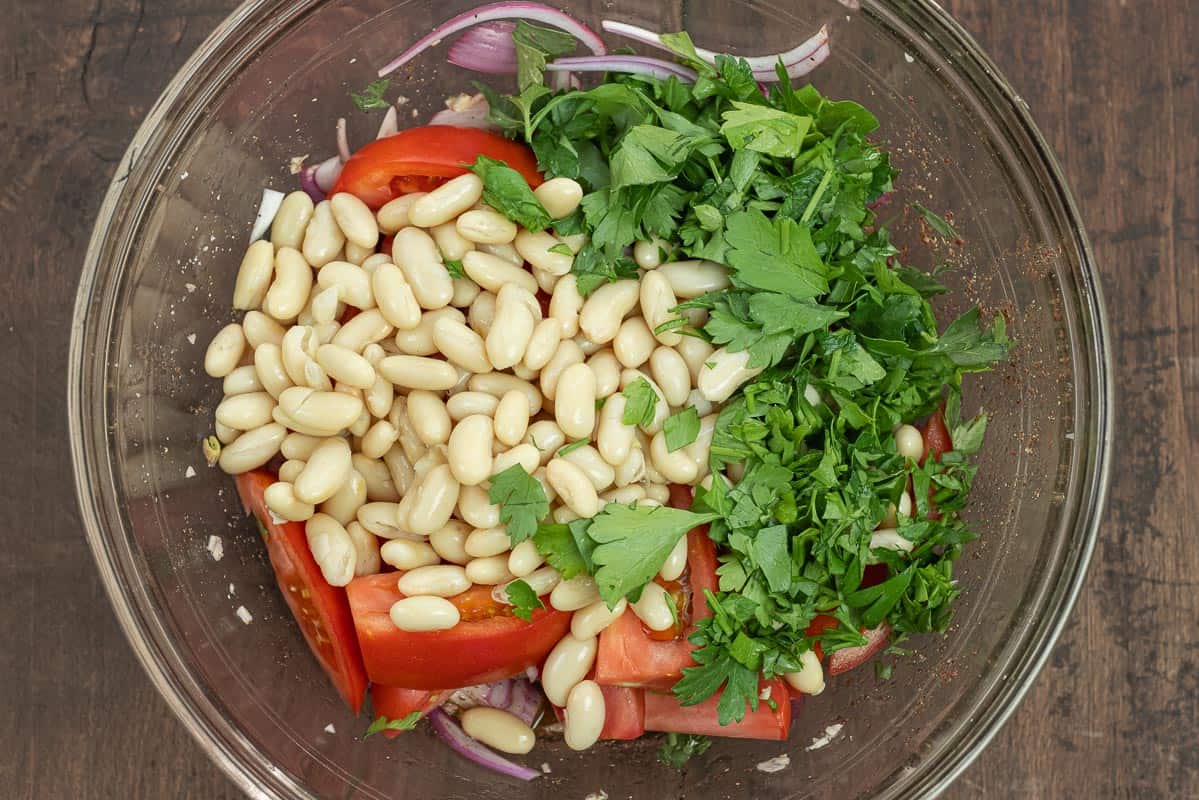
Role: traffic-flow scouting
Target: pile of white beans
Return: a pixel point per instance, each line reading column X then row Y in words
column 392, row 423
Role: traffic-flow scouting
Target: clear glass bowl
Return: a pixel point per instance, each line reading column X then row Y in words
column 268, row 85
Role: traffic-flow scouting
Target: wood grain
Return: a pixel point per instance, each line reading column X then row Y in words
column 1114, row 87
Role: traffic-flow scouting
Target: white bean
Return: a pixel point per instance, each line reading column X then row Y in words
column 676, row 562
column 486, row 226
column 660, row 492
column 324, row 305
column 325, row 472
column 590, row 621
column 446, row 201
column 404, row 554
column 494, row 273
column 429, row 418
column 419, row 341
column 353, row 283
column 299, row 349
column 559, row 196
column 657, row 300
column 634, row 342
column 442, row 580
column 403, row 474
column 261, row 329
column 648, row 254
column 453, row 245
column 512, row 418
column 511, row 329
column 225, row 351
column 394, row 214
column 482, row 313
column 379, row 397
column 476, row 509
column 588, row 459
column 526, row 455
column 654, row 607
column 566, row 665
column 465, row 292
column 809, row 679
column 567, row 355
column 343, row 505
column 546, row 436
column 461, row 345
column 394, row 296
column 366, row 550
column 489, row 571
column 723, row 374
column 331, row 411
column 449, row 541
column 689, row 279
column 417, row 372
column 381, row 518
column 379, row 485
column 524, row 558
column 331, row 548
column 291, row 220
column 677, row 467
column 365, row 328
column 584, row 717
column 614, row 438
column 543, row 343
column 378, row 439
column 254, row 275
column 252, row 449
column 418, row 256
column 355, row 220
column 607, row 372
column 281, row 499
column 605, row 309
column 671, row 374
column 695, row 353
column 290, row 470
column 345, row 366
column 536, row 248
column 323, row 240
column 574, row 594
column 470, row 446
column 498, row 384
column 420, row 614
column 565, row 305
column 504, row 251
column 245, row 411
column 573, row 487
column 661, row 409
column 625, row 495
column 299, row 447
column 288, row 293
column 498, row 729
column 487, row 542
column 435, row 500
column 357, row 255
column 909, row 442
column 632, row 469
column 433, row 457
column 574, row 403
column 891, row 539
column 542, row 581
column 463, row 404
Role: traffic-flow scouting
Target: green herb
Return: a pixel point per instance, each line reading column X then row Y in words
column 882, row 671
column 561, row 248
column 454, row 267
column 570, row 448
column 641, row 403
column 678, row 748
column 681, row 429
column 524, row 600
column 372, row 96
column 633, row 543
column 567, row 548
column 763, row 129
column 937, row 223
column 521, row 499
column 507, row 191
column 534, row 46
column 382, row 723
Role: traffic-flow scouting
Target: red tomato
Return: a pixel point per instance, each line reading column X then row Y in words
column 936, row 441
column 664, row 713
column 321, row 610
column 850, row 657
column 628, row 656
column 489, row 644
column 821, row 623
column 419, row 159
column 395, row 702
column 624, row 713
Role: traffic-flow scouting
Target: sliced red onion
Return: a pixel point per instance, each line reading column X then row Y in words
column 486, row 48
column 327, row 172
column 471, row 115
column 802, row 59
column 641, row 65
column 267, row 209
column 525, row 701
column 343, row 142
column 449, row 732
column 499, row 694
column 390, row 124
column 536, row 12
column 309, row 185
column 517, row 696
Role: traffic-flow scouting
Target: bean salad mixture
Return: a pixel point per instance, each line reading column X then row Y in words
column 601, row 407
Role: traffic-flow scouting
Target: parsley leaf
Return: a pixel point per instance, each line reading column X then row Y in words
column 455, row 268
column 535, row 45
column 679, row 748
column 570, row 448
column 567, row 547
column 381, row 723
column 634, row 542
column 521, row 499
column 777, row 257
column 507, row 191
column 524, row 600
column 641, row 403
column 763, row 129
column 649, row 154
column 681, row 429
column 937, row 223
column 372, row 96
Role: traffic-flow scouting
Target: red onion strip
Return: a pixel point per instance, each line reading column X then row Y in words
column 309, row 185
column 486, row 48
column 327, row 172
column 449, row 732
column 642, row 65
column 390, row 124
column 536, row 12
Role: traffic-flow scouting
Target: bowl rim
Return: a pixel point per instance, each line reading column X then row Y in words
column 191, row 703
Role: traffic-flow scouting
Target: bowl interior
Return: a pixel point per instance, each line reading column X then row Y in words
column 269, row 87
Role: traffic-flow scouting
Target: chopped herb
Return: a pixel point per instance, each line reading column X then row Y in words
column 570, row 448
column 454, row 267
column 681, row 429
column 372, row 96
column 882, row 671
column 641, row 403
column 561, row 248
column 524, row 600
column 678, row 748
column 382, row 723
column 521, row 499
column 507, row 191
column 937, row 223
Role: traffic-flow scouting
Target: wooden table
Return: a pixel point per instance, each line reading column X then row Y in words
column 1114, row 86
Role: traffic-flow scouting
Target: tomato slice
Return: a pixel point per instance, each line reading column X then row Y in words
column 419, row 159
column 489, row 644
column 628, row 656
column 322, row 611
column 664, row 713
column 395, row 702
column 936, row 436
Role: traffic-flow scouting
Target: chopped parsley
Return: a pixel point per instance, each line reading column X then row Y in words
column 521, row 499
column 524, row 600
column 455, row 268
column 641, row 403
column 570, row 448
column 507, row 191
column 381, row 723
column 372, row 96
column 678, row 748
column 681, row 429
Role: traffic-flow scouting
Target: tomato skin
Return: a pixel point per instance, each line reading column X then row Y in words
column 937, row 440
column 483, row 650
column 664, row 713
column 418, row 159
column 322, row 611
column 395, row 702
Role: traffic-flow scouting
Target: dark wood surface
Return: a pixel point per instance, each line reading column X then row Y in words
column 1113, row 84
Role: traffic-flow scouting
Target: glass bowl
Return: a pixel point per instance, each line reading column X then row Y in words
column 268, row 85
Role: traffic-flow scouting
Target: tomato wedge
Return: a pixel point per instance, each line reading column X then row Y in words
column 629, row 656
column 664, row 713
column 489, row 644
column 420, row 159
column 322, row 611
column 395, row 702
column 937, row 441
